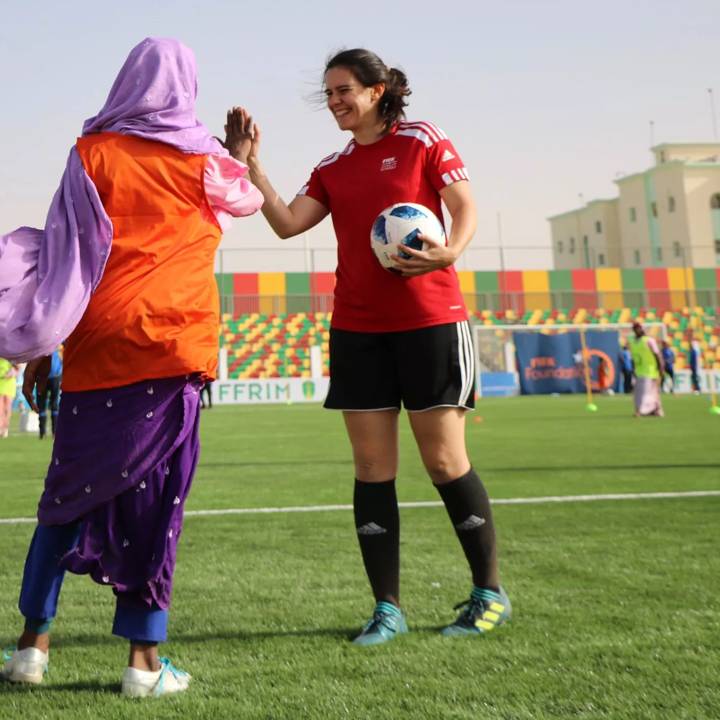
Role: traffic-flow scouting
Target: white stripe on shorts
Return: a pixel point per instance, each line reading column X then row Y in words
column 461, row 359
column 467, row 361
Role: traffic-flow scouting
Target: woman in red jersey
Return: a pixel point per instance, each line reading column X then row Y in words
column 397, row 339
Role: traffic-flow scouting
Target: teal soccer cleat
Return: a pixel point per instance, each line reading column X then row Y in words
column 482, row 612
column 386, row 623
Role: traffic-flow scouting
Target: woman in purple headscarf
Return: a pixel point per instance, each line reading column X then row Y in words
column 123, row 273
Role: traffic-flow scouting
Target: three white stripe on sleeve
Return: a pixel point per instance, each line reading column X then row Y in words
column 455, row 175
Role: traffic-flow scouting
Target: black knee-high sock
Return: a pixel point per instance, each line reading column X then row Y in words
column 468, row 506
column 377, row 522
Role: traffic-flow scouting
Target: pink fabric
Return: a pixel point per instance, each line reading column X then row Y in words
column 647, row 396
column 228, row 192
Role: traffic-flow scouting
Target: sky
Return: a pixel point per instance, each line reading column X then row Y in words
column 546, row 101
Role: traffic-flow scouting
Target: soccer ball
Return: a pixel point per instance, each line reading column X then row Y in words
column 400, row 225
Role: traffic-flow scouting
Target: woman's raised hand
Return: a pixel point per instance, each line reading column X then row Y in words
column 242, row 135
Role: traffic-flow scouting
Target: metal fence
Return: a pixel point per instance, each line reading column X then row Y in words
column 302, row 256
column 568, row 300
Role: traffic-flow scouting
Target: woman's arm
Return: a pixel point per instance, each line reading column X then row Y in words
column 243, row 142
column 461, row 206
column 286, row 220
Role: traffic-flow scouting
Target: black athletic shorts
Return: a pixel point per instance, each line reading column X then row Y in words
column 418, row 369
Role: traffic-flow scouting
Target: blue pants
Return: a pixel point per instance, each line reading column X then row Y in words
column 43, row 579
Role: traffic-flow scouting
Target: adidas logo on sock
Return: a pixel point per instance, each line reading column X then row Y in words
column 471, row 523
column 371, row 528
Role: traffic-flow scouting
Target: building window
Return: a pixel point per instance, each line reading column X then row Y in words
column 671, row 204
column 637, row 257
column 715, row 219
column 633, row 214
column 598, row 226
column 677, row 250
column 560, row 247
column 572, row 245
column 601, row 259
column 653, row 208
column 658, row 254
column 662, row 156
column 586, row 251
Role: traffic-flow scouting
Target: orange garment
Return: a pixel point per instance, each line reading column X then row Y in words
column 155, row 313
column 602, row 375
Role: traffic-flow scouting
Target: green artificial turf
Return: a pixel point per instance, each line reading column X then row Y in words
column 616, row 603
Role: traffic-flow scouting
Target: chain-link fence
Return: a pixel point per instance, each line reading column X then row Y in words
column 478, row 256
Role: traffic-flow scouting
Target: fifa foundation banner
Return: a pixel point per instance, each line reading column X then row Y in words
column 554, row 363
column 272, row 390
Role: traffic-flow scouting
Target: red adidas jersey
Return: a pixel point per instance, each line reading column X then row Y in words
column 412, row 163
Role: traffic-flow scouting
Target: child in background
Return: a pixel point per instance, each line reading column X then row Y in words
column 8, row 373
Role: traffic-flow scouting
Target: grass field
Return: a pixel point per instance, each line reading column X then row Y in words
column 617, row 603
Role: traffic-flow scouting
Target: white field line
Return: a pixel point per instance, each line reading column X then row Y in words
column 432, row 504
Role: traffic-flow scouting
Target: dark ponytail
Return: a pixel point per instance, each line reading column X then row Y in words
column 370, row 70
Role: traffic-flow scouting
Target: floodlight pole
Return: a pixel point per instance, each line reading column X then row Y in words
column 713, row 114
column 502, row 260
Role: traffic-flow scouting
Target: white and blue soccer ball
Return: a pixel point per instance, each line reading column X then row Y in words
column 399, row 225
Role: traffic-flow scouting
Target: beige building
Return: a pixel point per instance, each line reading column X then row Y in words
column 668, row 215
column 587, row 237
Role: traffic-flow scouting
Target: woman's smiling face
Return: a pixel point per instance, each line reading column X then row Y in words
column 353, row 105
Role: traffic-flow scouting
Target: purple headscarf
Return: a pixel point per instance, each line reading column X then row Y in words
column 153, row 97
column 47, row 276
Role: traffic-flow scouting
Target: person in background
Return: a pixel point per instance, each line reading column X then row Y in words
column 206, row 390
column 648, row 366
column 603, row 375
column 695, row 362
column 51, row 395
column 8, row 373
column 626, row 367
column 668, row 357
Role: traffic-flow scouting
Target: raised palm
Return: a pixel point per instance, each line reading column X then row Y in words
column 242, row 135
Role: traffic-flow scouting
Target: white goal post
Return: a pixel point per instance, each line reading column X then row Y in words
column 495, row 350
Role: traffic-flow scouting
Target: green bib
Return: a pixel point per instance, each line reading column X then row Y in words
column 644, row 358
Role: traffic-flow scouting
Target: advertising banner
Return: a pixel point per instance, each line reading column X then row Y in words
column 272, row 390
column 554, row 363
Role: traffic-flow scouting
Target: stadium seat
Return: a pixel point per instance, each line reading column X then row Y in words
column 278, row 345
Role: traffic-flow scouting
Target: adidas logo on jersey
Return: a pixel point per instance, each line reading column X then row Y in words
column 447, row 155
column 388, row 164
column 371, row 529
column 471, row 523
